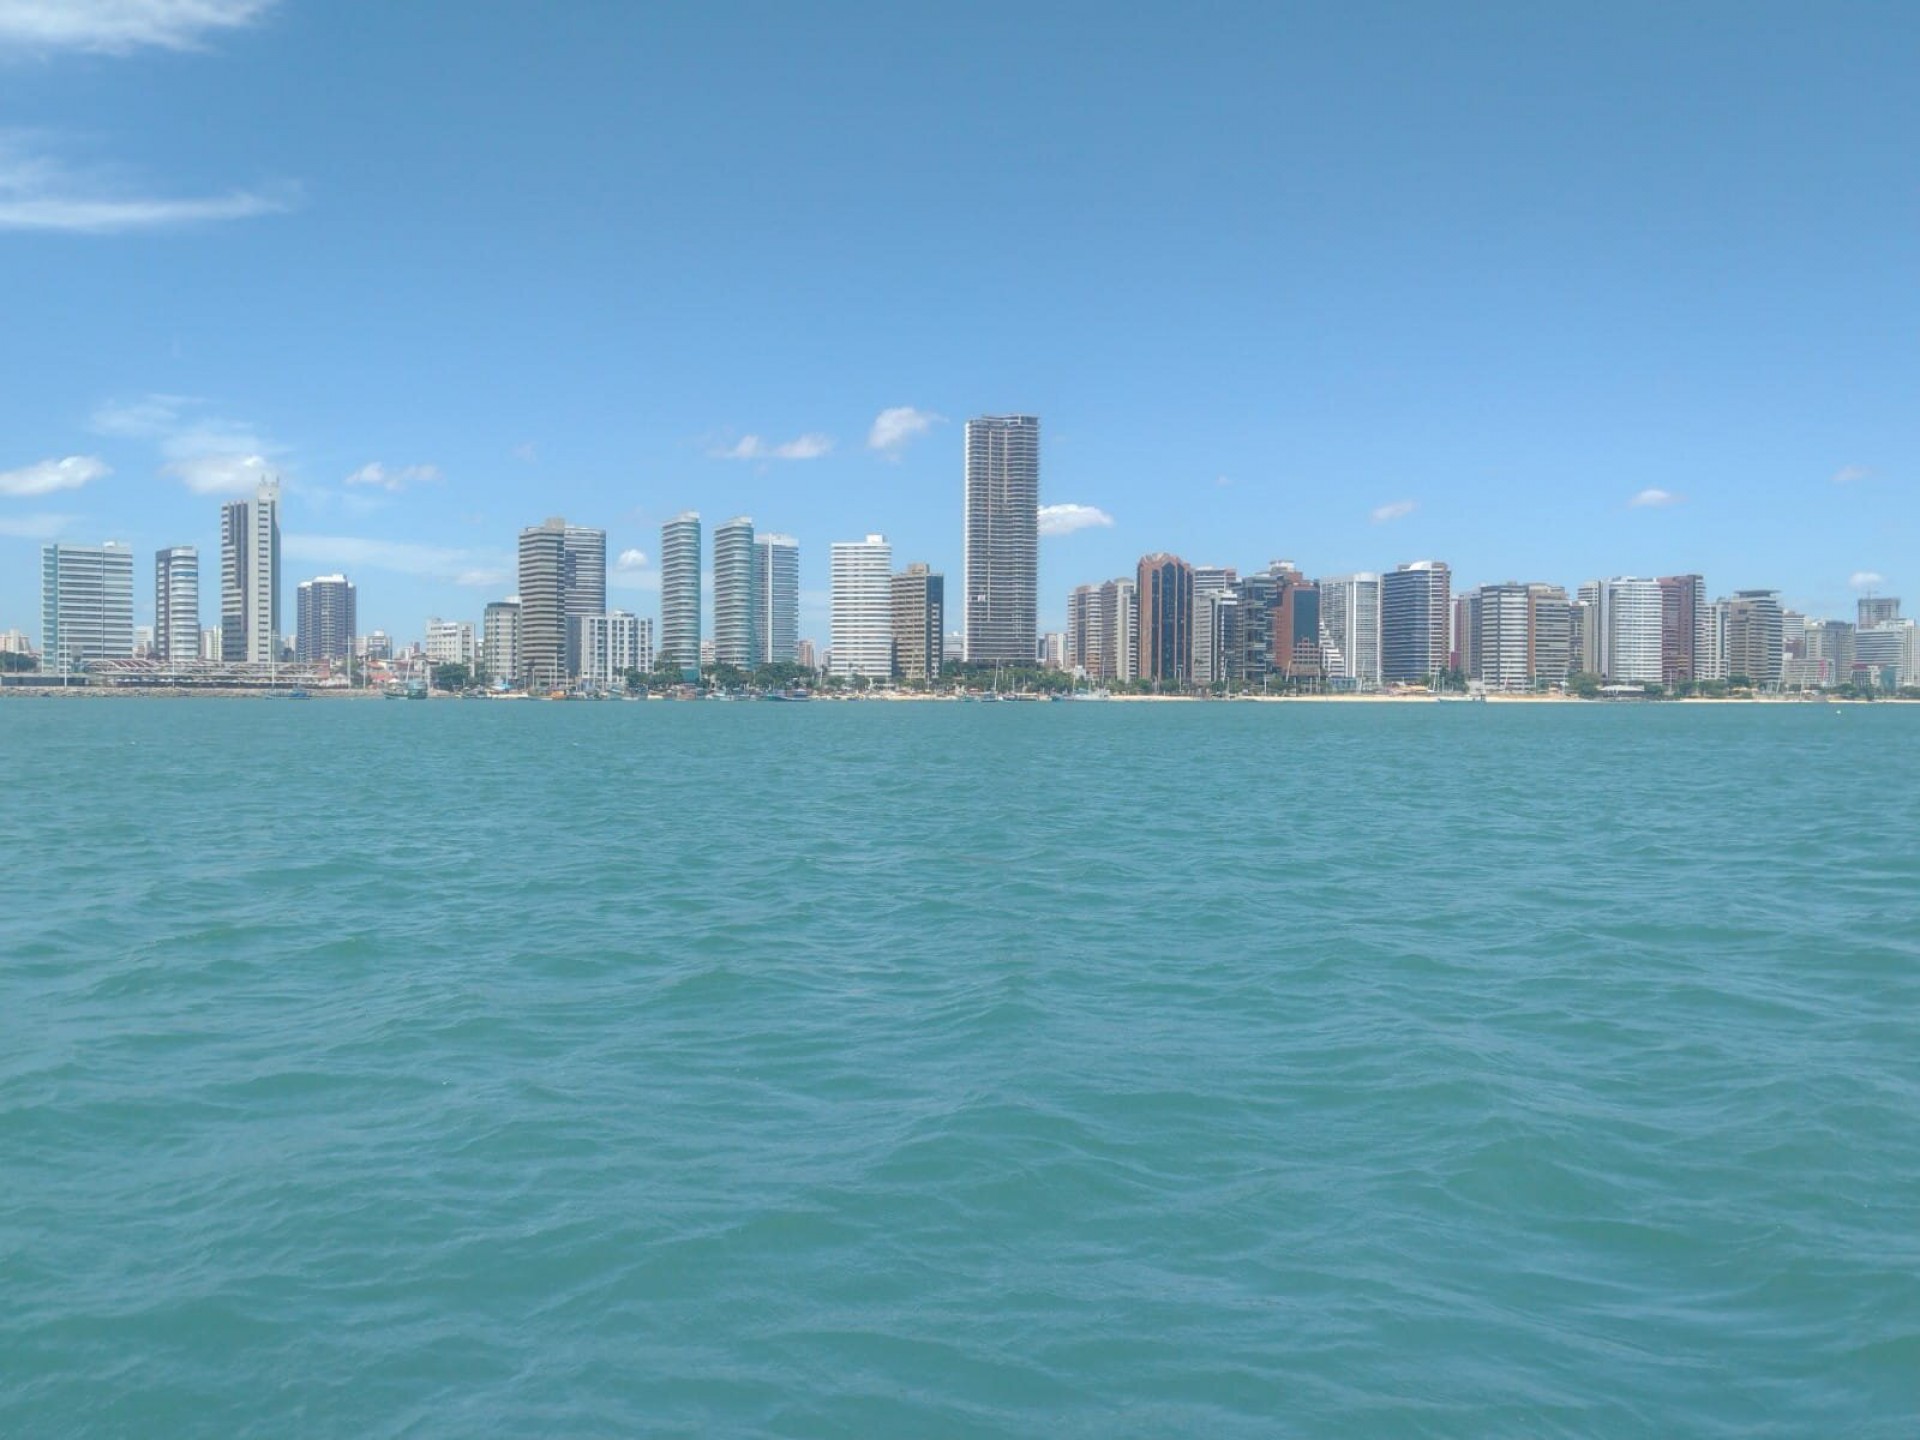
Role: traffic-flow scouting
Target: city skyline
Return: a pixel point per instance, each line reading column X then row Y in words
column 1505, row 325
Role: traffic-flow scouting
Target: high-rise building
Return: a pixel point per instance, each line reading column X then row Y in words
column 1625, row 612
column 1165, row 599
column 680, row 591
column 583, row 584
column 1216, row 637
column 1549, row 635
column 919, row 617
column 86, row 605
column 862, row 599
column 1103, row 630
column 1829, row 652
column 1498, row 641
column 176, row 604
column 1002, row 537
column 1415, row 606
column 1712, row 654
column 1876, row 610
column 1293, row 626
column 1755, row 637
column 250, row 576
column 1350, row 629
column 613, row 644
column 1885, row 655
column 324, row 619
column 1683, row 624
column 776, row 602
column 543, row 606
column 735, row 629
column 500, row 640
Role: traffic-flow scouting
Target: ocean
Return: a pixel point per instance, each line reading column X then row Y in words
column 389, row 1070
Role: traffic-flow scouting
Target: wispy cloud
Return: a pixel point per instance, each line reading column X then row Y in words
column 1394, row 510
column 752, row 447
column 207, row 454
column 1065, row 519
column 35, row 527
column 394, row 480
column 118, row 26
column 1653, row 499
column 527, row 452
column 894, row 429
column 38, row 192
column 1866, row 579
column 430, row 562
column 50, row 475
column 1847, row 474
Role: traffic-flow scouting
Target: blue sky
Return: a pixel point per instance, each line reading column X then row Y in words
column 1349, row 285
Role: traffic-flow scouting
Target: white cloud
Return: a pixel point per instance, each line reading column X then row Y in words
column 893, row 429
column 1065, row 519
column 528, row 452
column 117, row 26
column 752, row 447
column 51, row 475
column 1395, row 510
column 39, row 193
column 1653, row 499
column 35, row 527
column 1866, row 579
column 631, row 572
column 206, row 453
column 1847, row 474
column 432, row 562
column 375, row 474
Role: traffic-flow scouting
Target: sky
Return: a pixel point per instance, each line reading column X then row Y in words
column 1544, row 291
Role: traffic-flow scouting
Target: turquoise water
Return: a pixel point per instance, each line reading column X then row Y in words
column 595, row 1070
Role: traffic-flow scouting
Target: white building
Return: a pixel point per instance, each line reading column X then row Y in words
column 450, row 642
column 1623, row 616
column 500, row 640
column 250, row 577
column 862, row 600
column 680, row 591
column 611, row 645
column 86, row 604
column 1350, row 629
column 15, row 642
column 735, row 616
column 176, row 603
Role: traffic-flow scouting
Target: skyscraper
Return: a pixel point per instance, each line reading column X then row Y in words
column 1755, row 637
column 86, row 605
column 1002, row 537
column 1549, row 635
column 1497, row 644
column 325, row 619
column 862, row 599
column 1165, row 589
column 680, row 591
column 176, row 604
column 500, row 640
column 1414, row 606
column 1683, row 623
column 735, row 629
column 776, row 602
column 583, row 584
column 543, row 605
column 1350, row 629
column 1625, row 612
column 250, row 576
column 919, row 597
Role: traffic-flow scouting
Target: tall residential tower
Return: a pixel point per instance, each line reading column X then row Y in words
column 1002, row 537
column 735, row 633
column 176, row 604
column 680, row 591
